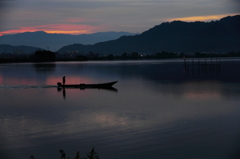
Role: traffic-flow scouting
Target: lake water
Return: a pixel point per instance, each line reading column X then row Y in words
column 158, row 109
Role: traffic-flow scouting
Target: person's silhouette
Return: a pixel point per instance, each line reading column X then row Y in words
column 63, row 80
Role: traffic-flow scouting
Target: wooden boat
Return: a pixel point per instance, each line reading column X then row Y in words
column 83, row 85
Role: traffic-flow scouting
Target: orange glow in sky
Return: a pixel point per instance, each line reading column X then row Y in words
column 201, row 18
column 73, row 29
column 15, row 31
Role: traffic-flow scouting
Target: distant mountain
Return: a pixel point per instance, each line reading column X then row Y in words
column 54, row 42
column 177, row 36
column 18, row 49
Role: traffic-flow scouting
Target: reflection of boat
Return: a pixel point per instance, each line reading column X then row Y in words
column 83, row 85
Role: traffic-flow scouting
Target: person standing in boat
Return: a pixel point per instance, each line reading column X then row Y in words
column 63, row 80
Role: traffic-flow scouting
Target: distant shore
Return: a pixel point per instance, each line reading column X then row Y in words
column 48, row 56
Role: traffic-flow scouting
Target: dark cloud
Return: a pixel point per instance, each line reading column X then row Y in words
column 6, row 3
column 2, row 3
column 237, row 5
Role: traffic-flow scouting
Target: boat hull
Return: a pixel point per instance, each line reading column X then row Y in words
column 83, row 85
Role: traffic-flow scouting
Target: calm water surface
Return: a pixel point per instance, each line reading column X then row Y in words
column 158, row 109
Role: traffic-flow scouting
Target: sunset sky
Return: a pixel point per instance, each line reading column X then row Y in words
column 90, row 16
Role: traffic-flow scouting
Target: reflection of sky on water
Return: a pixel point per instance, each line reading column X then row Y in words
column 191, row 119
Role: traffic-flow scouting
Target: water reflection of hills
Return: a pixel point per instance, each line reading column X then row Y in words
column 176, row 72
column 174, row 77
column 45, row 67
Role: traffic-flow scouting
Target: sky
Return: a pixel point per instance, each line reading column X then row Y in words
column 91, row 16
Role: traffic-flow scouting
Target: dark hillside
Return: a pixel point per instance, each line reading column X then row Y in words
column 176, row 36
column 18, row 49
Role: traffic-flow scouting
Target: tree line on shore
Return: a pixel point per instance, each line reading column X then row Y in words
column 48, row 56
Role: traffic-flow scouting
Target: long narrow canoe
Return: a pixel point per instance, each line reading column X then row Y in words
column 83, row 85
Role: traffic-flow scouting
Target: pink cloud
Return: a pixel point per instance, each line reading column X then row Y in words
column 74, row 29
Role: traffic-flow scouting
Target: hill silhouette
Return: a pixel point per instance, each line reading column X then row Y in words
column 56, row 41
column 18, row 49
column 177, row 36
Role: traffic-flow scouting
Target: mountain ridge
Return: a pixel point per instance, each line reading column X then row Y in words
column 176, row 36
column 56, row 41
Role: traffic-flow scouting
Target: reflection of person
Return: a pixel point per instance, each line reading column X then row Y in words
column 64, row 93
column 63, row 80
